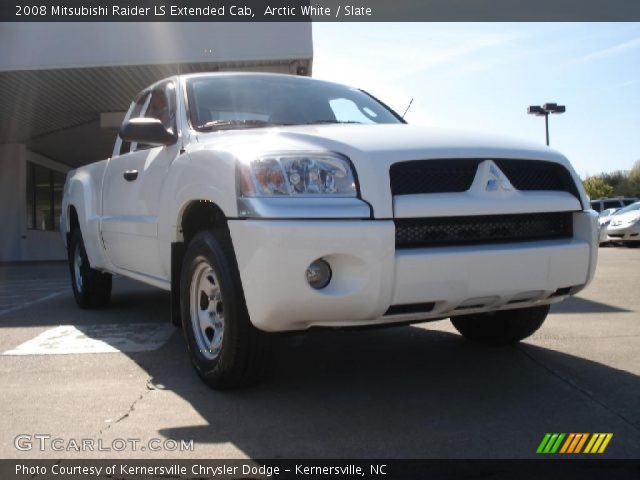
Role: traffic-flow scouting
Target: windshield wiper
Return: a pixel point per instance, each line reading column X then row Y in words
column 229, row 124
column 330, row 121
column 254, row 123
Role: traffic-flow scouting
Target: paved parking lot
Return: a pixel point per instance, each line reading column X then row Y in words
column 408, row 392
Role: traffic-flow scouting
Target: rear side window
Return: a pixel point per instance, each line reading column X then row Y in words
column 596, row 206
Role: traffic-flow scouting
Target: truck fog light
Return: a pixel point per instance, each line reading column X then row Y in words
column 318, row 274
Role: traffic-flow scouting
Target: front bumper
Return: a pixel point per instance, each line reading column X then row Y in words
column 372, row 283
column 624, row 234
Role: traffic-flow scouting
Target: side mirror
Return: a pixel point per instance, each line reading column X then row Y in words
column 150, row 131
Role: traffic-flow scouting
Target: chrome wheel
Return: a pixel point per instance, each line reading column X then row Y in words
column 207, row 310
column 77, row 268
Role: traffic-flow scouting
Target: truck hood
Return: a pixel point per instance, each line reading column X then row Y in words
column 390, row 143
column 372, row 150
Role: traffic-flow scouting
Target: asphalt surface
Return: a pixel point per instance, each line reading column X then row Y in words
column 406, row 392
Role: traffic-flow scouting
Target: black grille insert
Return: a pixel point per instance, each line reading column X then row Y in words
column 456, row 175
column 445, row 231
column 432, row 176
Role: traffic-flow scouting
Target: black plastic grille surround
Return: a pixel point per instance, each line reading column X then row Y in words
column 482, row 229
column 456, row 175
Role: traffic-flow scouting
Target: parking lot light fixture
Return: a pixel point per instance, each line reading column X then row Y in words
column 545, row 110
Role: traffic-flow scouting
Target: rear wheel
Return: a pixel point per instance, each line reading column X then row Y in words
column 501, row 328
column 91, row 288
column 226, row 350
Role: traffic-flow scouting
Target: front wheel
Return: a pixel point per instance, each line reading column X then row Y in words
column 501, row 328
column 91, row 288
column 225, row 348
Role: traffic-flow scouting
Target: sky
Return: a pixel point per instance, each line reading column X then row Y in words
column 482, row 76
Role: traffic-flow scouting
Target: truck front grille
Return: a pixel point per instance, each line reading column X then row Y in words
column 485, row 229
column 456, row 175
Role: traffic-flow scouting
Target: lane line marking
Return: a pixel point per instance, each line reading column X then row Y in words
column 32, row 287
column 34, row 302
column 107, row 338
column 38, row 281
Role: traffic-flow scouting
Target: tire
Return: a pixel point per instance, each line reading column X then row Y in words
column 91, row 288
column 505, row 327
column 226, row 350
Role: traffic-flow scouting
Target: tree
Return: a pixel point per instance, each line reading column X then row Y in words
column 634, row 173
column 597, row 187
column 634, row 177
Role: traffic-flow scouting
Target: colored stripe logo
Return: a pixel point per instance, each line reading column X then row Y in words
column 572, row 443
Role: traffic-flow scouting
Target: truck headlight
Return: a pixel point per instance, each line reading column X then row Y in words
column 303, row 174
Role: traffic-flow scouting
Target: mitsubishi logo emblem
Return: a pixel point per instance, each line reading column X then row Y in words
column 497, row 180
column 489, row 178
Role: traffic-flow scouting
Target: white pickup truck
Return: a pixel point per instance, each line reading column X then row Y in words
column 269, row 203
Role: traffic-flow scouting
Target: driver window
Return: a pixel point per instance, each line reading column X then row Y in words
column 134, row 112
column 159, row 103
column 160, row 108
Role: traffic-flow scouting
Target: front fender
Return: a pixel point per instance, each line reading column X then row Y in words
column 202, row 175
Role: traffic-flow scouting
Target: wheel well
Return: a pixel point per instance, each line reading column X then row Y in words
column 73, row 219
column 200, row 215
column 73, row 224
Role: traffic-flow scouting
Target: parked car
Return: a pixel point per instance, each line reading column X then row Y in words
column 624, row 227
column 270, row 203
column 603, row 222
column 601, row 204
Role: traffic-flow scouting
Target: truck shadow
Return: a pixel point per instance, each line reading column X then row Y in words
column 582, row 305
column 406, row 392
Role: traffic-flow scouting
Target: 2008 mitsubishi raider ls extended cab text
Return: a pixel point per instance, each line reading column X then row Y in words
column 269, row 203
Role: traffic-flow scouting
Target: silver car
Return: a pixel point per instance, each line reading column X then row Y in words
column 624, row 226
column 603, row 222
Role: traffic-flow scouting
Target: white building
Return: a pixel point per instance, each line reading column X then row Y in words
column 64, row 88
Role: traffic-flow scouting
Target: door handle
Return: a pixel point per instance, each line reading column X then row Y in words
column 130, row 175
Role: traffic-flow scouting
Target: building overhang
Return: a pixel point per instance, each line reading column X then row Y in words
column 58, row 79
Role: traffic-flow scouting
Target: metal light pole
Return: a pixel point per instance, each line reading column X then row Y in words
column 545, row 110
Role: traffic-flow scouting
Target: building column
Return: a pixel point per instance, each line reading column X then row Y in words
column 12, row 201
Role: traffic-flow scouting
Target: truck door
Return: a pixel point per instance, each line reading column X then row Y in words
column 132, row 186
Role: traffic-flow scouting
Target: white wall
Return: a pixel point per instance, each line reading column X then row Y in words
column 17, row 243
column 67, row 45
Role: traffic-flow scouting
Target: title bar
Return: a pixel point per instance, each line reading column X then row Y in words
column 319, row 10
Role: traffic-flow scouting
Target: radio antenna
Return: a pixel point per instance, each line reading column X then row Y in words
column 407, row 109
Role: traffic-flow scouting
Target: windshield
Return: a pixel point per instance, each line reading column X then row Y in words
column 630, row 208
column 250, row 101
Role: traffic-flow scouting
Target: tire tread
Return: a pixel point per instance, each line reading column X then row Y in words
column 96, row 291
column 242, row 365
column 505, row 327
